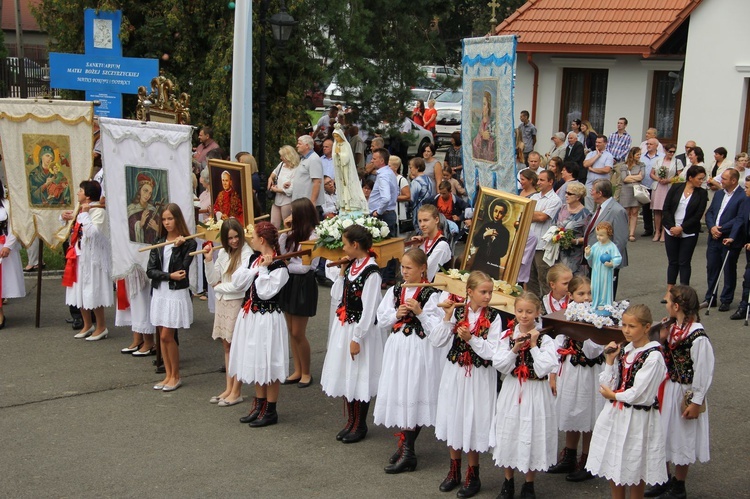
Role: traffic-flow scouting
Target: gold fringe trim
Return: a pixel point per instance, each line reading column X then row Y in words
column 47, row 119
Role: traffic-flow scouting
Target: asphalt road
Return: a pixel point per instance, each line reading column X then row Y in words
column 79, row 419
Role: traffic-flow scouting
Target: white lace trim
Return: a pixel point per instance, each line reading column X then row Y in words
column 119, row 130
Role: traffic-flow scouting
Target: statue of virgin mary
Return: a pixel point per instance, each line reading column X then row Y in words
column 348, row 188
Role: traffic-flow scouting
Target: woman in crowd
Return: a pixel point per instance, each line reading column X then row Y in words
column 590, row 136
column 528, row 180
column 299, row 298
column 234, row 254
column 632, row 173
column 720, row 164
column 574, row 216
column 575, row 126
column 681, row 218
column 87, row 270
column 662, row 173
column 432, row 167
column 252, row 168
column 280, row 182
column 555, row 165
column 741, row 164
column 417, row 116
column 430, row 118
column 453, row 156
column 12, row 274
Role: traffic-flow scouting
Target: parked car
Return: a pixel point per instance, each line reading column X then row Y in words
column 422, row 136
column 448, row 106
column 422, row 93
column 440, row 72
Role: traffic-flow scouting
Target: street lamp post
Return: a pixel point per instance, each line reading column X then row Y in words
column 281, row 27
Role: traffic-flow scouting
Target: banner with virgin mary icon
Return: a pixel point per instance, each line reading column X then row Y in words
column 47, row 151
column 487, row 127
column 146, row 167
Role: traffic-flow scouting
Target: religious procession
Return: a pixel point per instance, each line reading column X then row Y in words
column 472, row 281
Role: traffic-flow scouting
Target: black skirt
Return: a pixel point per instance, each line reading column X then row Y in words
column 300, row 295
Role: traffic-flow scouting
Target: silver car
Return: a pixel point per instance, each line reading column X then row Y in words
column 448, row 106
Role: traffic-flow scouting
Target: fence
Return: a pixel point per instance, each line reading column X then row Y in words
column 22, row 80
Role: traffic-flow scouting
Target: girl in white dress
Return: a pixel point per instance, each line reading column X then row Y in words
column 576, row 387
column 234, row 254
column 690, row 367
column 526, row 420
column 558, row 278
column 87, row 270
column 12, row 274
column 627, row 446
column 433, row 243
column 468, row 387
column 171, row 307
column 355, row 343
column 260, row 347
column 408, row 389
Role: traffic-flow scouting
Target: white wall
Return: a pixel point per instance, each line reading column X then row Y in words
column 717, row 65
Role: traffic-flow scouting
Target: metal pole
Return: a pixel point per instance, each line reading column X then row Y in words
column 40, row 265
column 263, row 96
column 718, row 280
column 19, row 52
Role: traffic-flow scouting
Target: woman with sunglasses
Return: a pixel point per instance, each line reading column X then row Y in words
column 662, row 174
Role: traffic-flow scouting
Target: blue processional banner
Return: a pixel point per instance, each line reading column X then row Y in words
column 487, row 126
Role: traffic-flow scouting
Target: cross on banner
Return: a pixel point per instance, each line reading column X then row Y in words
column 102, row 71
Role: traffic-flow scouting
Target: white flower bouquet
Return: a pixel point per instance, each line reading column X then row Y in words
column 211, row 224
column 329, row 231
column 582, row 312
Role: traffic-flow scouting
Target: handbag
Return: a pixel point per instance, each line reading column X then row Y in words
column 269, row 193
column 687, row 400
column 641, row 194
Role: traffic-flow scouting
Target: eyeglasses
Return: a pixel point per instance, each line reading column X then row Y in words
column 672, row 151
column 569, row 194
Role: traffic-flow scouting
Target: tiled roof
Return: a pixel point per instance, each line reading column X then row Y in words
column 596, row 26
column 28, row 22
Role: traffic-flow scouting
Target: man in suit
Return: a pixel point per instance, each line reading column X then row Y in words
column 720, row 220
column 609, row 210
column 574, row 152
column 740, row 236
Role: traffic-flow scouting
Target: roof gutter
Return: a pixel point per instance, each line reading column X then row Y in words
column 530, row 60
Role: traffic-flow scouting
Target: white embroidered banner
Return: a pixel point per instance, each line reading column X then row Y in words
column 146, row 166
column 487, row 126
column 47, row 149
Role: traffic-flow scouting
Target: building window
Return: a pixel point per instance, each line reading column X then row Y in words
column 584, row 97
column 746, row 130
column 665, row 107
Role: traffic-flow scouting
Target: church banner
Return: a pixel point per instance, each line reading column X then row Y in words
column 146, row 166
column 487, row 126
column 47, row 149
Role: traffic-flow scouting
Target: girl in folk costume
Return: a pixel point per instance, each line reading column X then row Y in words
column 234, row 254
column 355, row 343
column 627, row 446
column 576, row 387
column 526, row 420
column 558, row 277
column 299, row 299
column 260, row 348
column 433, row 243
column 87, row 270
column 12, row 274
column 468, row 386
column 171, row 307
column 408, row 389
column 690, row 367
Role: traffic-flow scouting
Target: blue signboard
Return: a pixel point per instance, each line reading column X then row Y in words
column 102, row 71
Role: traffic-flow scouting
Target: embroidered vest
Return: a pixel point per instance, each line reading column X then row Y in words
column 627, row 382
column 524, row 358
column 256, row 304
column 574, row 349
column 351, row 302
column 4, row 228
column 410, row 323
column 461, row 352
column 434, row 245
column 678, row 360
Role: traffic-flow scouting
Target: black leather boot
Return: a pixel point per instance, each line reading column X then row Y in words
column 567, row 462
column 453, row 479
column 527, row 491
column 408, row 459
column 267, row 416
column 254, row 411
column 472, row 485
column 658, row 489
column 509, row 489
column 676, row 490
column 359, row 428
column 581, row 474
column 349, row 422
column 394, row 457
column 739, row 315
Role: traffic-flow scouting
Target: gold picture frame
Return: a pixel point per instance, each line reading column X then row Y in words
column 240, row 193
column 499, row 230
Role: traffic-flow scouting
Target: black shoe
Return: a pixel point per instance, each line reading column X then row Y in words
column 306, row 385
column 349, row 422
column 676, row 490
column 579, row 476
column 567, row 462
column 724, row 307
column 267, row 416
column 658, row 489
column 160, row 369
column 291, row 381
column 648, row 233
column 740, row 314
column 254, row 411
column 223, row 369
column 407, row 461
column 453, row 479
column 77, row 324
column 527, row 491
column 359, row 428
column 472, row 485
column 508, row 491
